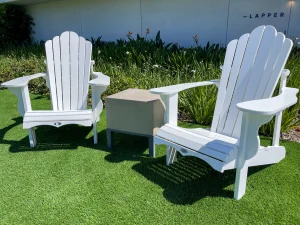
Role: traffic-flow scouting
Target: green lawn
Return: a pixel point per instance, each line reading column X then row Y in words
column 67, row 179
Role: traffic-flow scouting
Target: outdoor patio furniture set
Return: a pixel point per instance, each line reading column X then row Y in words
column 252, row 68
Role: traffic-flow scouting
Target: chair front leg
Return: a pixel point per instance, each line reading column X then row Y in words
column 171, row 104
column 32, row 137
column 249, row 143
column 22, row 94
column 97, row 106
column 170, row 117
column 24, row 105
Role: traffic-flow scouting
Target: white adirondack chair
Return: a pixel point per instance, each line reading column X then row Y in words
column 251, row 70
column 69, row 67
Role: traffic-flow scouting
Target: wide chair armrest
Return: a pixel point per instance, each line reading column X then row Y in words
column 22, row 81
column 270, row 106
column 19, row 87
column 99, row 79
column 173, row 89
column 169, row 96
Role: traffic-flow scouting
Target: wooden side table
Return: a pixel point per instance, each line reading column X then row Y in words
column 134, row 111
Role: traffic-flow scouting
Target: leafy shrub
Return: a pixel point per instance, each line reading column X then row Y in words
column 146, row 63
column 15, row 25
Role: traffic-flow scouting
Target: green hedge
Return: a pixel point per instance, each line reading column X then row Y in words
column 143, row 63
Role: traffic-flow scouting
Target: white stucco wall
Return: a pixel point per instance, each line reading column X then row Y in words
column 257, row 12
column 294, row 26
column 179, row 20
column 213, row 20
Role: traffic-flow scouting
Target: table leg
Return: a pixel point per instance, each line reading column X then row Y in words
column 109, row 138
column 151, row 147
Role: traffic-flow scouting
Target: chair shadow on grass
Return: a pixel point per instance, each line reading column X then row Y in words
column 128, row 147
column 185, row 182
column 189, row 179
column 68, row 137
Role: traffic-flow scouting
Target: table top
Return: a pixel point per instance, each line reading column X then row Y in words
column 135, row 95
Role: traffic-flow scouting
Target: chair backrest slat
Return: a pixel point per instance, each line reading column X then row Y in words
column 81, row 70
column 68, row 64
column 221, row 100
column 74, row 41
column 65, row 68
column 51, row 74
column 233, row 71
column 279, row 66
column 87, row 68
column 257, row 63
column 57, row 72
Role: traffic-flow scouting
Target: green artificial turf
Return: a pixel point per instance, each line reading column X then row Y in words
column 67, row 179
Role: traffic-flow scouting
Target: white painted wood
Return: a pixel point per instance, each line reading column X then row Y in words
column 237, row 61
column 243, row 78
column 86, row 123
column 266, row 76
column 23, row 98
column 97, row 106
column 171, row 155
column 99, row 79
column 95, row 132
column 204, row 140
column 65, row 69
column 69, row 66
column 216, row 164
column 24, row 104
column 58, row 71
column 213, row 135
column 32, row 137
column 258, row 69
column 22, row 81
column 81, row 71
column 195, row 146
column 87, row 63
column 271, row 106
column 218, row 149
column 276, row 134
column 57, row 118
column 240, row 182
column 51, row 73
column 226, row 69
column 39, row 115
column 74, row 57
column 174, row 89
column 278, row 68
column 250, row 73
column 171, row 104
column 268, row 155
column 249, row 146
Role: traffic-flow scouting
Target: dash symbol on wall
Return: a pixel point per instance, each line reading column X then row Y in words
column 265, row 15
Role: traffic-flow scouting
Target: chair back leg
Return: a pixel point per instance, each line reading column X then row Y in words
column 170, row 155
column 95, row 132
column 32, row 137
column 151, row 147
